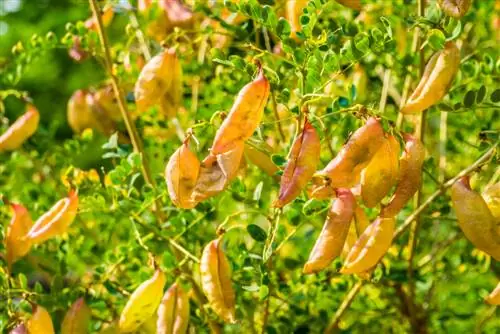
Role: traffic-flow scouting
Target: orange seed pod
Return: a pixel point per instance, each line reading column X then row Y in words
column 344, row 170
column 181, row 174
column 40, row 321
column 16, row 243
column 332, row 238
column 474, row 218
column 410, row 176
column 436, row 80
column 353, row 4
column 77, row 319
column 302, row 162
column 370, row 247
column 23, row 128
column 173, row 313
column 216, row 281
column 244, row 117
column 294, row 10
column 55, row 221
column 381, row 174
column 494, row 297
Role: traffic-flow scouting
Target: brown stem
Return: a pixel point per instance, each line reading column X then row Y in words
column 349, row 298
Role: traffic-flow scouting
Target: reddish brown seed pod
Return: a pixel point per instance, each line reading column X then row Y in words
column 16, row 242
column 345, row 169
column 302, row 162
column 77, row 319
column 332, row 238
column 410, row 176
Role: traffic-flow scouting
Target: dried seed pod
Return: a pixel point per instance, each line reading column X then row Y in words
column 302, row 162
column 436, row 80
column 173, row 313
column 55, row 221
column 214, row 178
column 455, row 8
column 82, row 114
column 353, row 4
column 410, row 176
column 172, row 99
column 216, row 281
column 16, row 243
column 474, row 218
column 345, row 169
column 181, row 174
column 332, row 238
column 143, row 303
column 23, row 128
column 155, row 79
column 381, row 174
column 370, row 247
column 40, row 321
column 294, row 10
column 77, row 319
column 244, row 117
column 106, row 99
column 177, row 14
column 494, row 297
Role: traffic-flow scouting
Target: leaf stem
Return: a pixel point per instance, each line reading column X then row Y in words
column 349, row 298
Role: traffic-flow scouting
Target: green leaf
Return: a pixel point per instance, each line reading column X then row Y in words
column 256, row 232
column 258, row 191
column 283, row 28
column 481, row 93
column 263, row 292
column 278, row 160
column 436, row 39
column 456, row 32
column 469, row 99
column 495, row 96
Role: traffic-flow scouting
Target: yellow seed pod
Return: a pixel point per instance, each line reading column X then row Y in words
column 143, row 303
column 294, row 10
column 173, row 313
column 172, row 99
column 475, row 219
column 216, row 281
column 155, row 79
column 370, row 247
column 491, row 196
column 181, row 175
column 436, row 80
column 77, row 319
column 381, row 174
column 494, row 297
column 23, row 128
column 16, row 243
column 40, row 321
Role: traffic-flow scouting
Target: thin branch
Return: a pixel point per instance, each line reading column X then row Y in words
column 385, row 90
column 349, row 298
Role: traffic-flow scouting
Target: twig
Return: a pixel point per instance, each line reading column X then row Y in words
column 420, row 134
column 349, row 298
column 385, row 90
column 392, row 91
column 443, row 135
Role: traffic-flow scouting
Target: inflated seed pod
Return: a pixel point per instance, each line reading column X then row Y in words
column 173, row 313
column 181, row 174
column 455, row 8
column 40, row 321
column 491, row 196
column 294, row 9
column 215, row 177
column 216, row 281
column 332, row 238
column 381, row 174
column 22, row 129
column 345, row 169
column 302, row 162
column 83, row 113
column 155, row 79
column 494, row 297
column 143, row 303
column 475, row 218
column 436, row 80
column 410, row 176
column 77, row 319
column 55, row 221
column 371, row 246
column 16, row 243
column 244, row 117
